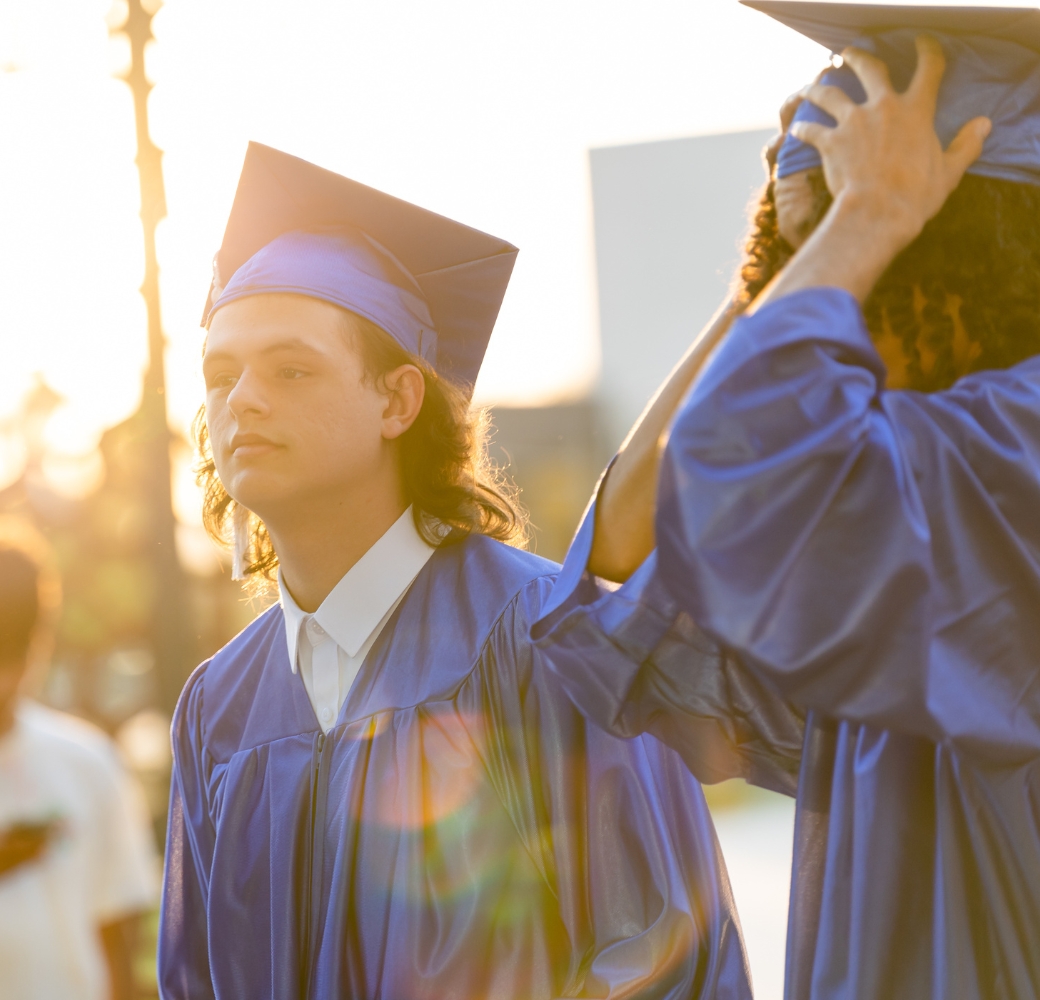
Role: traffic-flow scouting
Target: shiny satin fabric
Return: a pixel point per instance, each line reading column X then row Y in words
column 872, row 559
column 634, row 662
column 460, row 833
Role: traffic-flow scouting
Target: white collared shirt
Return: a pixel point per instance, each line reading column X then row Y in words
column 329, row 646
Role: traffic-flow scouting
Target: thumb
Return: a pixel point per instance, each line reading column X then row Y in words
column 966, row 148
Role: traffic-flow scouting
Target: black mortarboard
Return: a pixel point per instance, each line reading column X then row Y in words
column 993, row 69
column 434, row 285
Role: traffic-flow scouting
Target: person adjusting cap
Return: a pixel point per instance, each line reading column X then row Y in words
column 992, row 69
column 432, row 284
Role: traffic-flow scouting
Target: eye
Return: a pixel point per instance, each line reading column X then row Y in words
column 288, row 372
column 222, row 380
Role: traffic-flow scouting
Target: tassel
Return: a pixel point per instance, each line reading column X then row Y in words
column 240, row 552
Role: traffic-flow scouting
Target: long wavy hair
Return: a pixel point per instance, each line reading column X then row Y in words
column 982, row 250
column 453, row 487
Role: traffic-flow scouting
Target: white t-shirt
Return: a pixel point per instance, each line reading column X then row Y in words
column 100, row 867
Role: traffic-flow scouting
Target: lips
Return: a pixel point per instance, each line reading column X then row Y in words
column 251, row 446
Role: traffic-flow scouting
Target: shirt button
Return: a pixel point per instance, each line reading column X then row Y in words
column 315, row 629
column 326, row 714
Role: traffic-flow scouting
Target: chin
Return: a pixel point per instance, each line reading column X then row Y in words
column 259, row 490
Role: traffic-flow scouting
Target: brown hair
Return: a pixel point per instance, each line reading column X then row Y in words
column 30, row 588
column 453, row 487
column 983, row 248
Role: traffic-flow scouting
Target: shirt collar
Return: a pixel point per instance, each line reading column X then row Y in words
column 359, row 602
column 294, row 618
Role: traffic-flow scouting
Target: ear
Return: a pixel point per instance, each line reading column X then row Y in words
column 405, row 390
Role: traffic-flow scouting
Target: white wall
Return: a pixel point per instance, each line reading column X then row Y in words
column 669, row 220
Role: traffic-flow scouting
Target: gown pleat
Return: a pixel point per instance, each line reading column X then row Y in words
column 846, row 586
column 461, row 832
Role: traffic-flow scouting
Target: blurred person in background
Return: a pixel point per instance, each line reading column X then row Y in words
column 844, row 505
column 77, row 862
column 377, row 790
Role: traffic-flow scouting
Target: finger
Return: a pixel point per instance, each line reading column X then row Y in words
column 772, row 151
column 872, row 72
column 931, row 65
column 812, row 133
column 788, row 109
column 966, row 149
column 833, row 100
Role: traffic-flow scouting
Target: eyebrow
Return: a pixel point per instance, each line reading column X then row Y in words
column 292, row 344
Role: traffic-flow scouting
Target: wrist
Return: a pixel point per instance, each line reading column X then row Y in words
column 851, row 248
column 876, row 226
column 857, row 240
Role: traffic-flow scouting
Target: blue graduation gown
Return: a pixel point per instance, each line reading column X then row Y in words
column 459, row 833
column 870, row 560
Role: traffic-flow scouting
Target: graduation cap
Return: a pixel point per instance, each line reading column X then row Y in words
column 433, row 284
column 992, row 69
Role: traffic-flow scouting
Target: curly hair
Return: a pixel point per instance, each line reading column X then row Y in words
column 453, row 487
column 982, row 252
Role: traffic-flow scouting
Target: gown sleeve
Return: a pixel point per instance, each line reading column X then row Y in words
column 183, row 958
column 619, row 830
column 632, row 660
column 872, row 555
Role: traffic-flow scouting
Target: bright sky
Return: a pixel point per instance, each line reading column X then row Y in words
column 482, row 110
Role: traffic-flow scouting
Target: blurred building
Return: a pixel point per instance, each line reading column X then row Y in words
column 670, row 218
column 554, row 454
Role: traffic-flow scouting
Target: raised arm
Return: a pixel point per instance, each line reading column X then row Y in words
column 624, row 528
column 627, row 498
column 871, row 555
column 633, row 661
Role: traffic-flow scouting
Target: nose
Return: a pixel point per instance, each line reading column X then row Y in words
column 247, row 398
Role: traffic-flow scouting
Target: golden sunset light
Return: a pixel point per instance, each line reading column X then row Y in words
column 480, row 114
column 647, row 612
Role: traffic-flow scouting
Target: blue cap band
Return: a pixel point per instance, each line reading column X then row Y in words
column 347, row 268
column 984, row 76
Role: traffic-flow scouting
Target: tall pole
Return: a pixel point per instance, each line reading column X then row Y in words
column 171, row 637
column 138, row 29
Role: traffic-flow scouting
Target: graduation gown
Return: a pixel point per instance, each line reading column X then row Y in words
column 870, row 560
column 460, row 832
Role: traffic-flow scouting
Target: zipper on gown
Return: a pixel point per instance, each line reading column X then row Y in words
column 319, row 798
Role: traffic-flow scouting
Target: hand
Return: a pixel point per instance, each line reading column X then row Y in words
column 787, row 112
column 886, row 169
column 22, row 843
column 884, row 160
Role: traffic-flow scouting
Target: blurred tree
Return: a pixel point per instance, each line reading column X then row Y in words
column 107, row 665
column 135, row 622
column 145, row 438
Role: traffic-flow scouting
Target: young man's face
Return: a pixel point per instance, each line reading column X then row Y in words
column 289, row 412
